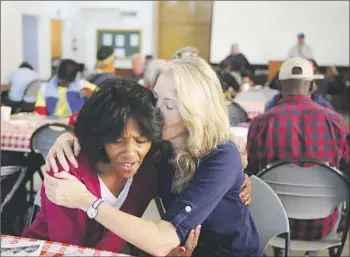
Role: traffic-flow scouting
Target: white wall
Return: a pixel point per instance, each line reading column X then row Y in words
column 30, row 33
column 107, row 17
column 11, row 32
column 11, row 43
column 267, row 30
column 75, row 25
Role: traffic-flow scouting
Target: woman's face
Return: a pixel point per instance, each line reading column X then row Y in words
column 164, row 91
column 126, row 154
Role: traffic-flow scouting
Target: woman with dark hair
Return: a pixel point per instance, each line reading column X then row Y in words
column 63, row 95
column 117, row 128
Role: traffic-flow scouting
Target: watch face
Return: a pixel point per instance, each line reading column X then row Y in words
column 92, row 213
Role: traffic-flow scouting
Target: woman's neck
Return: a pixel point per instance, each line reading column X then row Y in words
column 111, row 178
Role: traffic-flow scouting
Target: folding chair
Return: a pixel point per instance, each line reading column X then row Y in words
column 309, row 193
column 270, row 217
column 41, row 141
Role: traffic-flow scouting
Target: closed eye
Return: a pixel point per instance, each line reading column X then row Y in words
column 169, row 107
column 141, row 140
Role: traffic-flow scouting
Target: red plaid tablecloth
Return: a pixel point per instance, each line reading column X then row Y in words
column 57, row 249
column 16, row 133
column 16, row 137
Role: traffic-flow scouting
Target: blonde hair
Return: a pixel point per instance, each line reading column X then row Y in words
column 204, row 112
column 153, row 71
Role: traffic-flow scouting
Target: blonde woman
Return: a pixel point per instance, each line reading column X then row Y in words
column 201, row 184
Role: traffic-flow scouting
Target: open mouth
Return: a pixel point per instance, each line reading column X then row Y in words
column 127, row 166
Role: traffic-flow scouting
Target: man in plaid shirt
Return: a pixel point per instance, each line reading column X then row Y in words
column 298, row 127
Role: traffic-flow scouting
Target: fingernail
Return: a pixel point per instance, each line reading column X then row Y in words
column 241, row 195
column 199, row 227
column 192, row 231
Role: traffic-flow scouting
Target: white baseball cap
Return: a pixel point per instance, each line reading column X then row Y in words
column 305, row 66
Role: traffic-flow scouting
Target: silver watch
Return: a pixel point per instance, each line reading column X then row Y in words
column 92, row 210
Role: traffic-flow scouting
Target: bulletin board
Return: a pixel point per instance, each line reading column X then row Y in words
column 125, row 42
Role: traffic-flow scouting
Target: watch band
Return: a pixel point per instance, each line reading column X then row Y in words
column 97, row 203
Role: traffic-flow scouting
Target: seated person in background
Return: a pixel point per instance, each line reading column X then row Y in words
column 105, row 59
column 61, row 95
column 186, row 52
column 335, row 85
column 148, row 59
column 316, row 95
column 104, row 67
column 331, row 84
column 230, row 88
column 137, row 67
column 233, row 87
column 152, row 73
column 85, row 93
column 19, row 79
column 238, row 62
column 298, row 127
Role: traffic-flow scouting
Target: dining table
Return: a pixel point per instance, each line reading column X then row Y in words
column 16, row 132
column 56, row 249
column 255, row 100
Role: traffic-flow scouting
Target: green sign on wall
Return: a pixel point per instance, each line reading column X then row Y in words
column 125, row 42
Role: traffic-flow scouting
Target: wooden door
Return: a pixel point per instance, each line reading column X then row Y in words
column 56, row 38
column 184, row 23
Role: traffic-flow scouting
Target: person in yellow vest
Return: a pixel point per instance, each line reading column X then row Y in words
column 104, row 67
column 105, row 60
column 62, row 95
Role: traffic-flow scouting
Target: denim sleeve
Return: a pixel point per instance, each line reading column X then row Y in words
column 216, row 174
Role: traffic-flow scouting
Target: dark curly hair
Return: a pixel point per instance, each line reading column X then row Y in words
column 103, row 117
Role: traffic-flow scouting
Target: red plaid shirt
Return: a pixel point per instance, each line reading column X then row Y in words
column 297, row 127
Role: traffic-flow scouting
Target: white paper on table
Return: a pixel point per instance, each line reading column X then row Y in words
column 107, row 40
column 119, row 40
column 119, row 52
column 26, row 249
column 134, row 40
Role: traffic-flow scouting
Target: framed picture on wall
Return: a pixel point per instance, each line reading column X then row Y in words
column 126, row 43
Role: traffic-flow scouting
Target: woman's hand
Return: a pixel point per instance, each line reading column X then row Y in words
column 246, row 191
column 66, row 190
column 63, row 149
column 190, row 245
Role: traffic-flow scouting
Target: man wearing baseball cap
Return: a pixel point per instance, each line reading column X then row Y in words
column 301, row 49
column 298, row 127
